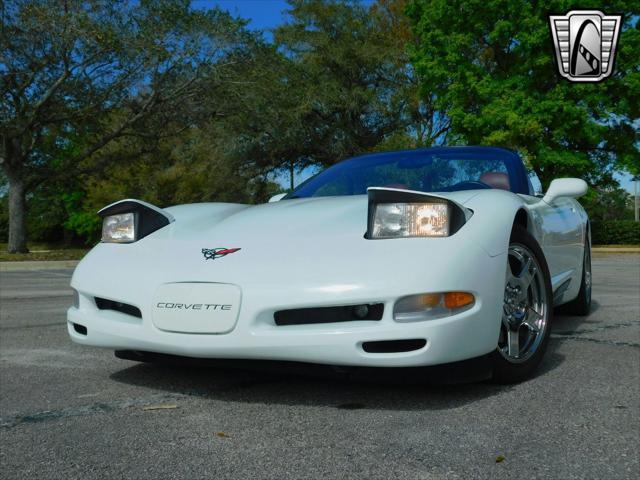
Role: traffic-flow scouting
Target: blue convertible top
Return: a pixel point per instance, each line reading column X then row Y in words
column 518, row 178
column 435, row 169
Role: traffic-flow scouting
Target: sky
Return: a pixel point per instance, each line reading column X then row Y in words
column 263, row 14
column 267, row 14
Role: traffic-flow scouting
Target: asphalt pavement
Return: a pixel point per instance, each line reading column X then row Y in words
column 69, row 412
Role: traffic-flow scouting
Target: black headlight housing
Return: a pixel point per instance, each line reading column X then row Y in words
column 142, row 217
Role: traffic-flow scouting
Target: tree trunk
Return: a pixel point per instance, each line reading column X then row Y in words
column 17, row 216
column 291, row 175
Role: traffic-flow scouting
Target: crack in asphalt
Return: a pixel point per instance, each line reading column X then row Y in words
column 11, row 421
column 42, row 325
column 577, row 334
column 612, row 326
column 30, row 296
column 90, row 409
column 614, row 343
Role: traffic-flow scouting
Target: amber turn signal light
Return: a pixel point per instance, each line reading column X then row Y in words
column 458, row 299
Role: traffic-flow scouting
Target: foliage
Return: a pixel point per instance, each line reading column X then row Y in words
column 189, row 169
column 608, row 203
column 85, row 224
column 82, row 80
column 171, row 104
column 349, row 85
column 97, row 87
column 490, row 65
column 622, row 232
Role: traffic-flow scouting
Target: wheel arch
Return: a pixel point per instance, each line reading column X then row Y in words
column 522, row 219
column 495, row 214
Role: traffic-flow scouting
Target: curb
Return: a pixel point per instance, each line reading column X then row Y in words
column 616, row 250
column 37, row 265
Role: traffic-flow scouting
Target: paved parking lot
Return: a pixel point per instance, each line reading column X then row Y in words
column 72, row 412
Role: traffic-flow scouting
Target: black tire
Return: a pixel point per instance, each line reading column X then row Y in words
column 581, row 305
column 518, row 369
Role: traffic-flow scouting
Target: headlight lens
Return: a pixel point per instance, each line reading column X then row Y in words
column 399, row 220
column 120, row 228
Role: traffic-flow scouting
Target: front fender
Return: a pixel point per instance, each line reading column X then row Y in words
column 494, row 212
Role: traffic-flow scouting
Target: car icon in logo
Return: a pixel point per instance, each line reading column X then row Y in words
column 213, row 253
column 585, row 44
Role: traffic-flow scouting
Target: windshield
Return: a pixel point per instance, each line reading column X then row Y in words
column 435, row 170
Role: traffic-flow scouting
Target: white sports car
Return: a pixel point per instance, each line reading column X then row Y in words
column 429, row 257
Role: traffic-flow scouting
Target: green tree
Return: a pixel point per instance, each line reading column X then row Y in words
column 491, row 67
column 88, row 83
column 606, row 203
column 347, row 85
column 196, row 166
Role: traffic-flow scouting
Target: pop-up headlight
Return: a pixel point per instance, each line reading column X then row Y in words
column 120, row 228
column 403, row 214
column 130, row 220
column 393, row 220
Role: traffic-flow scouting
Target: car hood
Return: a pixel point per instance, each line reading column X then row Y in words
column 286, row 220
column 312, row 240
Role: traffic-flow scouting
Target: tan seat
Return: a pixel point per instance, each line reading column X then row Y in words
column 497, row 180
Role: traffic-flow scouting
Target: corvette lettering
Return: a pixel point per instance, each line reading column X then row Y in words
column 194, row 306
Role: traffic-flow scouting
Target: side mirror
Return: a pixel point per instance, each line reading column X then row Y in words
column 277, row 198
column 565, row 187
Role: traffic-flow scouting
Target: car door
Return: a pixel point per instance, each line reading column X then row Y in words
column 559, row 228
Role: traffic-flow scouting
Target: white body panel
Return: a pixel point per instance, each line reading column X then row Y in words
column 561, row 230
column 306, row 253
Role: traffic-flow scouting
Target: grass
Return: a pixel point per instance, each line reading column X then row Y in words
column 40, row 251
column 617, row 246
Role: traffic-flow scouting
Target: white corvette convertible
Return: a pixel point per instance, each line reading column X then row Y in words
column 433, row 257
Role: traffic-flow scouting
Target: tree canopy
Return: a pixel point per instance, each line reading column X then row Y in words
column 88, row 84
column 175, row 104
column 491, row 67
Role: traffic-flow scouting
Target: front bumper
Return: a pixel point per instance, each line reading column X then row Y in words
column 469, row 334
column 448, row 340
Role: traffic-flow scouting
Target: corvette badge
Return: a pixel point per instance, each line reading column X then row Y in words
column 213, row 253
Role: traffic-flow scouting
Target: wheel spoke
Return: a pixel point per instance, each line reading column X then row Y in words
column 505, row 320
column 510, row 275
column 531, row 325
column 535, row 313
column 527, row 274
column 513, row 343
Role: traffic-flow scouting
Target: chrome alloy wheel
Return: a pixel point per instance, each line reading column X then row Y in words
column 525, row 310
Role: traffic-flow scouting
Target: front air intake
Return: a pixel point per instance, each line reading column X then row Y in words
column 81, row 329
column 394, row 346
column 348, row 313
column 104, row 304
